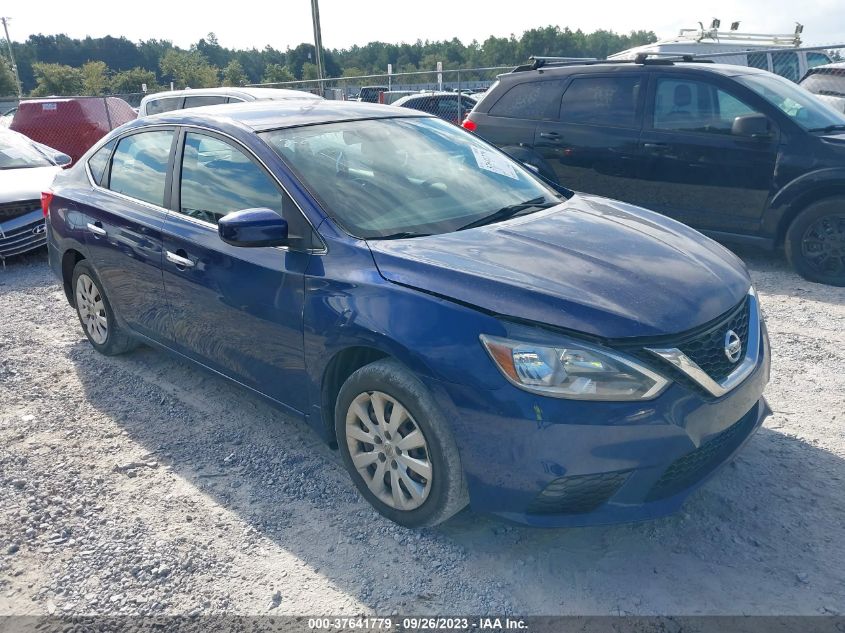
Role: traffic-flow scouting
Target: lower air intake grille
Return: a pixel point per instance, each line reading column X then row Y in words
column 694, row 466
column 577, row 494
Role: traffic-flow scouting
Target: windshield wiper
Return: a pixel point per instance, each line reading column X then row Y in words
column 401, row 235
column 510, row 211
column 829, row 128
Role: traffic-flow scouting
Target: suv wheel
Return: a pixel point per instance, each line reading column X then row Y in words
column 815, row 242
column 397, row 446
column 95, row 313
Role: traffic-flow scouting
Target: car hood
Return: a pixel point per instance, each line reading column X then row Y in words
column 592, row 265
column 26, row 183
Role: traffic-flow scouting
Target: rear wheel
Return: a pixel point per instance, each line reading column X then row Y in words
column 815, row 242
column 397, row 447
column 95, row 313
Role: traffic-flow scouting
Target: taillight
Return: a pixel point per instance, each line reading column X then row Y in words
column 470, row 125
column 381, row 97
column 46, row 199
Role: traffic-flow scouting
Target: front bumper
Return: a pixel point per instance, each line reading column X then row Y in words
column 551, row 462
column 22, row 234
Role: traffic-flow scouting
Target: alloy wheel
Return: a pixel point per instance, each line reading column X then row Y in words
column 389, row 450
column 92, row 309
column 823, row 244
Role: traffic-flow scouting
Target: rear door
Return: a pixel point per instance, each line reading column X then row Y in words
column 512, row 119
column 237, row 310
column 696, row 170
column 123, row 221
column 593, row 143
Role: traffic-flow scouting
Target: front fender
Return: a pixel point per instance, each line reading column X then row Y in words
column 800, row 192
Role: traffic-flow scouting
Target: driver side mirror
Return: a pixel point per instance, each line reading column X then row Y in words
column 61, row 159
column 253, row 228
column 755, row 126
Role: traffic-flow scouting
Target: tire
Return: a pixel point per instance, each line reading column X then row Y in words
column 815, row 242
column 425, row 446
column 95, row 312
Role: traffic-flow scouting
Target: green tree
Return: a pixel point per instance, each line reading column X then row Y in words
column 56, row 79
column 129, row 81
column 276, row 73
column 189, row 69
column 94, row 79
column 8, row 87
column 234, row 74
column 309, row 70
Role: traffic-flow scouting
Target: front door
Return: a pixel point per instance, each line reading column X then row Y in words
column 696, row 169
column 237, row 310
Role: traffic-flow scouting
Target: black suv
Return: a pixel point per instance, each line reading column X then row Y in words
column 739, row 153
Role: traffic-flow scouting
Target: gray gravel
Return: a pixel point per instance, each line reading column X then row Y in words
column 142, row 485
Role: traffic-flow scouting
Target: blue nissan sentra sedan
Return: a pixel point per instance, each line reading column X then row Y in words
column 461, row 330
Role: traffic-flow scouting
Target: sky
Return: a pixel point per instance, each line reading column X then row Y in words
column 248, row 23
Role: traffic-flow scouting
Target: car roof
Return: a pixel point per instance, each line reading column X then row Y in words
column 261, row 116
column 826, row 67
column 256, row 93
column 729, row 70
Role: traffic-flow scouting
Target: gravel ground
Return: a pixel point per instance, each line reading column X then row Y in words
column 141, row 484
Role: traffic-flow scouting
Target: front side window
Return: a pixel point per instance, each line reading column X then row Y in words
column 218, row 178
column 406, row 177
column 695, row 106
column 139, row 165
column 601, row 101
column 532, row 100
column 817, row 59
column 166, row 104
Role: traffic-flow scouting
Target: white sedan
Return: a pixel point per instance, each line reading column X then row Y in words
column 27, row 169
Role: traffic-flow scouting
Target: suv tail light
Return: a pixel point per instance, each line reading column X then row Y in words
column 469, row 124
column 46, row 199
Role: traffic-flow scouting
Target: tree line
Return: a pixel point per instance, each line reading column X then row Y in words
column 61, row 65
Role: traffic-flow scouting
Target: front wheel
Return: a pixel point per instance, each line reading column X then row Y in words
column 815, row 242
column 397, row 446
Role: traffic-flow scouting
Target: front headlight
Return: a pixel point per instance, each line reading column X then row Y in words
column 573, row 370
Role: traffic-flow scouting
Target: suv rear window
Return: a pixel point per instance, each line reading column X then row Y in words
column 602, row 101
column 530, row 100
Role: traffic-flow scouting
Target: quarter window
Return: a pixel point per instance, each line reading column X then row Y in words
column 531, row 100
column 218, row 179
column 608, row 101
column 97, row 163
column 139, row 165
column 695, row 106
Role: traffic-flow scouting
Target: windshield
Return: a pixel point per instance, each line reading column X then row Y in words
column 798, row 104
column 17, row 152
column 407, row 177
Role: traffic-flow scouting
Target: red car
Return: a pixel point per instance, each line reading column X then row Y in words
column 70, row 124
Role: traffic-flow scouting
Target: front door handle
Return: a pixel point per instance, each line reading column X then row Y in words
column 96, row 228
column 554, row 135
column 179, row 260
column 656, row 147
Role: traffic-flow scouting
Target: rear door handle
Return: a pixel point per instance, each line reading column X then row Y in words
column 549, row 135
column 656, row 146
column 96, row 228
column 179, row 260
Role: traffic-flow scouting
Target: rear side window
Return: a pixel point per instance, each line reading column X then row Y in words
column 196, row 102
column 533, row 100
column 601, row 101
column 166, row 104
column 97, row 163
column 218, row 178
column 785, row 64
column 139, row 166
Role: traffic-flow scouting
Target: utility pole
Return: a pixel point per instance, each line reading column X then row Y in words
column 318, row 42
column 12, row 55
